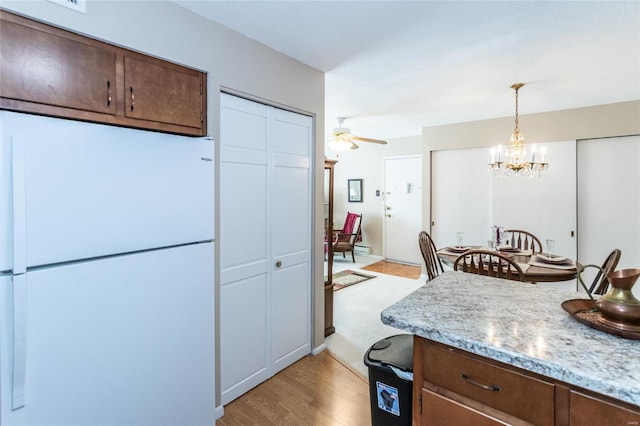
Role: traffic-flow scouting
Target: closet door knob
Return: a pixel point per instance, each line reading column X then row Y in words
column 278, row 263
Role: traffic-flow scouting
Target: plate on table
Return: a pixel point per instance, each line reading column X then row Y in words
column 553, row 260
column 458, row 249
column 509, row 249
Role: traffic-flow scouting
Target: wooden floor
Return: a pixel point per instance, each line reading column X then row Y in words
column 397, row 269
column 317, row 390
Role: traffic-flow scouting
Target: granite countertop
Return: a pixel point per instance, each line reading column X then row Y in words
column 522, row 325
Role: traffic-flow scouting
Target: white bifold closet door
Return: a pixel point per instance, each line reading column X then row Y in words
column 466, row 198
column 460, row 196
column 544, row 205
column 265, row 242
column 609, row 202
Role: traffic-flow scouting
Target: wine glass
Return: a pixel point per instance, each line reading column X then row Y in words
column 550, row 245
column 506, row 238
column 460, row 237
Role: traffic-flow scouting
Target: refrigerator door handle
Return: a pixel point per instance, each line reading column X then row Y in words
column 19, row 340
column 19, row 207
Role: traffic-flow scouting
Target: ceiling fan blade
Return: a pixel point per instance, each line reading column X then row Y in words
column 358, row 138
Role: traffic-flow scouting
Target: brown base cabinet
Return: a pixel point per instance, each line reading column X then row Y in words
column 49, row 71
column 455, row 387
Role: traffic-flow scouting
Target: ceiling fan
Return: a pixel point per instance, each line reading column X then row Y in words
column 342, row 139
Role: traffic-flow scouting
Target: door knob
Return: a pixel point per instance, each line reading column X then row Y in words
column 387, row 215
column 388, row 208
column 278, row 263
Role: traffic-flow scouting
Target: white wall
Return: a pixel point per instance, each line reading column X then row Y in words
column 232, row 61
column 619, row 119
column 366, row 163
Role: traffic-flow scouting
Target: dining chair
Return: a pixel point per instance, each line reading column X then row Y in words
column 524, row 240
column 600, row 283
column 431, row 259
column 489, row 263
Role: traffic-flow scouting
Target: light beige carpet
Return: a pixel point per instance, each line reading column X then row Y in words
column 357, row 320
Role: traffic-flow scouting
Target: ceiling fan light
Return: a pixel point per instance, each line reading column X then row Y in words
column 341, row 144
column 341, row 141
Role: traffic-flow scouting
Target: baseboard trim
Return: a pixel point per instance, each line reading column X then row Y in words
column 319, row 349
column 219, row 411
column 362, row 249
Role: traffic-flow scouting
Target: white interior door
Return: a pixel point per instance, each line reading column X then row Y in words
column 403, row 208
column 545, row 205
column 265, row 242
column 609, row 201
column 460, row 196
column 291, row 237
column 244, row 261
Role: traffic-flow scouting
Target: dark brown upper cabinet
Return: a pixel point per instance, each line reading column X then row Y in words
column 50, row 71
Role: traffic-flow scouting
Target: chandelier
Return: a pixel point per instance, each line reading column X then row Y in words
column 515, row 160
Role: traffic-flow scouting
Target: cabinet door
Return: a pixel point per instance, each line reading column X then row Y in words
column 163, row 92
column 586, row 410
column 52, row 70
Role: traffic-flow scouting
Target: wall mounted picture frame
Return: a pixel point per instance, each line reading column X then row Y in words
column 354, row 190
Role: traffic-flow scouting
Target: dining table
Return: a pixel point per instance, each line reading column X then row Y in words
column 537, row 267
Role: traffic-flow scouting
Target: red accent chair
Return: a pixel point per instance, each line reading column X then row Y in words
column 344, row 240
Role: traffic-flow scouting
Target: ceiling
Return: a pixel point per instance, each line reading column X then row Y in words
column 393, row 67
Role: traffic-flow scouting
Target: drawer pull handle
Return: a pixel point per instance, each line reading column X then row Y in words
column 492, row 388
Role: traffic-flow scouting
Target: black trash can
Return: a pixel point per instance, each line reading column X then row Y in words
column 391, row 392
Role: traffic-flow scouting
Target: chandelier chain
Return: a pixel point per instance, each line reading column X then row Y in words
column 517, row 130
column 516, row 87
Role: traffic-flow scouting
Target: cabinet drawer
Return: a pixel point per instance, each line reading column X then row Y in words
column 586, row 410
column 440, row 410
column 524, row 397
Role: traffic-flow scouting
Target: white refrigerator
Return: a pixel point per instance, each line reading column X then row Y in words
column 106, row 275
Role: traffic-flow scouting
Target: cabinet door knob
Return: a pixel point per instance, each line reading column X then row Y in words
column 278, row 263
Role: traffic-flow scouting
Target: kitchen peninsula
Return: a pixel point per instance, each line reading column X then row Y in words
column 493, row 351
